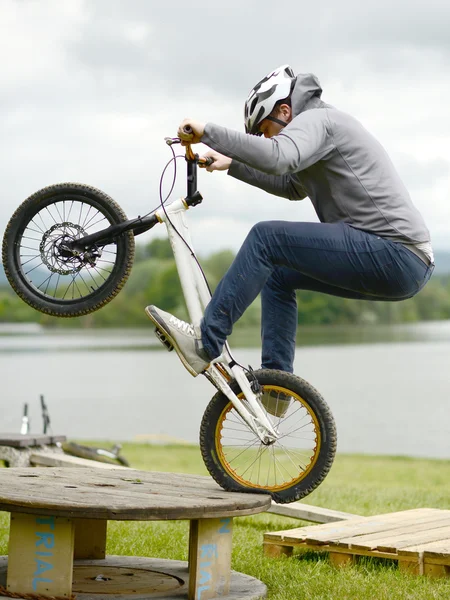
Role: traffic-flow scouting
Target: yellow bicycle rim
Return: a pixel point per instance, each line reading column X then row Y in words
column 281, row 465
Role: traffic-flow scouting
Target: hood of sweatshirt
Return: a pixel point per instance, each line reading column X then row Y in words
column 306, row 93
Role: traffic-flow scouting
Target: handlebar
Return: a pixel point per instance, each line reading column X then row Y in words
column 190, row 156
column 192, row 161
column 206, row 162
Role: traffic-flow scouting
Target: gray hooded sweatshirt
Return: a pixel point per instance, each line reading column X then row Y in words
column 330, row 157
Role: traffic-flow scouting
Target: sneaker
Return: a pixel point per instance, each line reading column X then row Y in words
column 276, row 403
column 185, row 338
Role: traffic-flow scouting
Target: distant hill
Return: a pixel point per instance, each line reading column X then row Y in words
column 3, row 280
column 442, row 259
column 41, row 272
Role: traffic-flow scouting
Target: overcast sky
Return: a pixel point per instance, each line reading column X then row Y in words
column 90, row 88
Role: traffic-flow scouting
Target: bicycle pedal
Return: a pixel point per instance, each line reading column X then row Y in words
column 162, row 338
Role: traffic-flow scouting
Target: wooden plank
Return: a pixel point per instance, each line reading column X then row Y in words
column 432, row 535
column 17, row 440
column 114, row 482
column 387, row 539
column 322, row 533
column 338, row 556
column 121, row 495
column 407, row 540
column 437, row 560
column 90, row 538
column 329, row 549
column 306, row 512
column 379, row 525
column 43, row 459
column 338, row 559
column 276, row 550
column 435, row 570
column 209, row 558
column 412, row 567
column 40, row 555
column 439, row 549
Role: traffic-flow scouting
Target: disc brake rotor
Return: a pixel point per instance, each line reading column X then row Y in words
column 59, row 258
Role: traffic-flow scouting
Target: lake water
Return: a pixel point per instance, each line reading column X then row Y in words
column 388, row 387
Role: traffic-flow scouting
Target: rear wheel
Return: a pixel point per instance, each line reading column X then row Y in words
column 48, row 277
column 92, row 453
column 290, row 468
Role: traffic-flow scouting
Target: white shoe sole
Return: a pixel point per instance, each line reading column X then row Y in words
column 163, row 330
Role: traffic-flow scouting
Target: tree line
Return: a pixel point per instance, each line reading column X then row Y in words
column 154, row 280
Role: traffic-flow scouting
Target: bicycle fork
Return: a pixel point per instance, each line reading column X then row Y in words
column 254, row 416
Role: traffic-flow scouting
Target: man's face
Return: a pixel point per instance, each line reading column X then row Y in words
column 269, row 128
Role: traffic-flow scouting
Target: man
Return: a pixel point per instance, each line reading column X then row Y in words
column 371, row 242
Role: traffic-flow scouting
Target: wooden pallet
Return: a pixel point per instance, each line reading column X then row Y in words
column 418, row 539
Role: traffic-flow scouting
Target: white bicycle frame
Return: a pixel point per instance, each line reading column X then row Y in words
column 197, row 296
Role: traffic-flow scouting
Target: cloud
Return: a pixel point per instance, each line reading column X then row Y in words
column 88, row 90
column 420, row 176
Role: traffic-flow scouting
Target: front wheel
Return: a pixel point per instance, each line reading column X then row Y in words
column 39, row 267
column 291, row 467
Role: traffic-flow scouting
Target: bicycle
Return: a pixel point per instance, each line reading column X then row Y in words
column 111, row 456
column 68, row 250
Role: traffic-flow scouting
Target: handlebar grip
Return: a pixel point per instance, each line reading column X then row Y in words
column 208, row 161
column 188, row 129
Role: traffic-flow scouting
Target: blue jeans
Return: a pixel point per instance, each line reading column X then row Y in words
column 279, row 257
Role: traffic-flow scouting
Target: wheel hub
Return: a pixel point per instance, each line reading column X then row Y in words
column 57, row 254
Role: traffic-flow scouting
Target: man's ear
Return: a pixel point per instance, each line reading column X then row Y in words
column 286, row 111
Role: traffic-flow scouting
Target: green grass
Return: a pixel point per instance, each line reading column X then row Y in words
column 363, row 485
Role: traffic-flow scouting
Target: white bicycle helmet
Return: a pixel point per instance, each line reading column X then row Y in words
column 266, row 93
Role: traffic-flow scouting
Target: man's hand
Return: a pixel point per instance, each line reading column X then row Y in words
column 198, row 129
column 221, row 162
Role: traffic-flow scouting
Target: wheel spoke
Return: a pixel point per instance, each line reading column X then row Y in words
column 30, row 259
column 31, row 270
column 70, row 210
column 39, row 214
column 288, row 454
column 48, row 283
column 89, row 224
column 99, row 274
column 45, row 281
column 259, row 454
column 65, row 293
column 36, row 225
column 108, row 262
column 93, row 278
column 244, row 450
column 28, row 248
column 82, row 279
column 86, row 217
column 61, row 218
column 51, row 216
column 279, row 465
column 25, row 237
column 253, row 466
column 76, row 284
column 292, row 431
